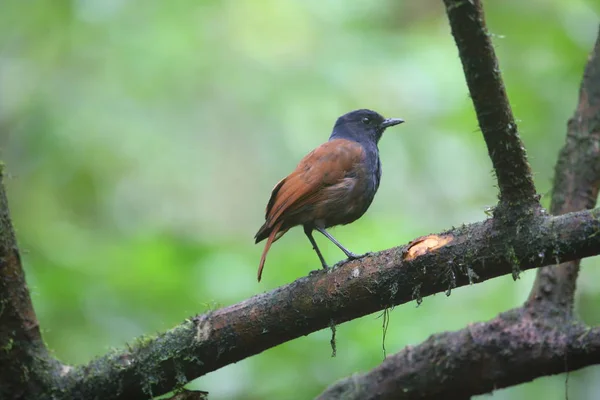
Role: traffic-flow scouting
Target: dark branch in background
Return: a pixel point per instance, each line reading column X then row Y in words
column 21, row 343
column 576, row 183
column 524, row 343
column 508, row 350
column 430, row 265
column 491, row 104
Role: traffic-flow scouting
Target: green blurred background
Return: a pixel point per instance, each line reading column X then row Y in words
column 142, row 139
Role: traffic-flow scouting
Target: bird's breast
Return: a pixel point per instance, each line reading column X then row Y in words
column 349, row 200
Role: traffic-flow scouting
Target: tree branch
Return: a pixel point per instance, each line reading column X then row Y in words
column 17, row 319
column 21, row 345
column 491, row 104
column 433, row 264
column 511, row 349
column 538, row 339
column 576, row 184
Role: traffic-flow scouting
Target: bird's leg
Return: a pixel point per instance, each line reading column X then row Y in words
column 347, row 252
column 309, row 235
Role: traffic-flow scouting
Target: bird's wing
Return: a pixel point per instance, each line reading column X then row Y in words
column 325, row 166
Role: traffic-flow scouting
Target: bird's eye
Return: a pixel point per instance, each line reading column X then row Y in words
column 366, row 120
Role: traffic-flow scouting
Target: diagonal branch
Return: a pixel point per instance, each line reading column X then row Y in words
column 576, row 184
column 17, row 318
column 511, row 349
column 429, row 265
column 527, row 342
column 491, row 103
column 21, row 345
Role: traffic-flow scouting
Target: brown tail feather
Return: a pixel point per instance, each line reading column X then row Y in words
column 270, row 241
column 262, row 233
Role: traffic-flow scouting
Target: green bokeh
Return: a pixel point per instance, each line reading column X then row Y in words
column 143, row 138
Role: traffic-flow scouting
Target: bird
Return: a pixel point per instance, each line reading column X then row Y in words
column 332, row 185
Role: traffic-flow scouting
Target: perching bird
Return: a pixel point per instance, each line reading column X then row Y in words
column 332, row 185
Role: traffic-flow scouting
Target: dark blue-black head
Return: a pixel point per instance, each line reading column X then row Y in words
column 362, row 126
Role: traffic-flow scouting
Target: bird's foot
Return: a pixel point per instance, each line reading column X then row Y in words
column 353, row 256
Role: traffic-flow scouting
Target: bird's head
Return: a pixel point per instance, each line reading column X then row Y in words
column 362, row 126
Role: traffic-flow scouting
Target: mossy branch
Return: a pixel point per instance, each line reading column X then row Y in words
column 433, row 264
column 505, row 351
column 478, row 359
column 519, row 237
column 576, row 184
column 489, row 97
column 22, row 351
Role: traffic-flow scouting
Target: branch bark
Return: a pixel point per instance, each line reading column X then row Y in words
column 541, row 338
column 22, row 351
column 429, row 265
column 515, row 347
column 17, row 319
column 494, row 113
column 508, row 350
column 576, row 184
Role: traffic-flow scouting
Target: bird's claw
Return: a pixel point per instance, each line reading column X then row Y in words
column 359, row 256
column 351, row 258
column 340, row 263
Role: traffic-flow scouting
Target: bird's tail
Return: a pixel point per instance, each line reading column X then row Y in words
column 272, row 237
column 262, row 233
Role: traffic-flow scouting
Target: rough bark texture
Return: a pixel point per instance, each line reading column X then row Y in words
column 576, row 183
column 493, row 110
column 510, row 349
column 517, row 346
column 21, row 345
column 542, row 337
column 475, row 252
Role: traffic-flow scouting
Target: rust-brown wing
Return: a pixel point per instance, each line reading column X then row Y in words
column 325, row 166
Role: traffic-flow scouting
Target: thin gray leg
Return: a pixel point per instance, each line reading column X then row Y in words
column 347, row 252
column 308, row 232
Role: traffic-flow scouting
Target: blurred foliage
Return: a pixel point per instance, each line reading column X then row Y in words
column 143, row 139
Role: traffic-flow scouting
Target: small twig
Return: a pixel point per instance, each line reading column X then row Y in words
column 384, row 328
column 332, row 341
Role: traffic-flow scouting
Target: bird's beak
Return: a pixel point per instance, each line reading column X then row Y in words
column 391, row 122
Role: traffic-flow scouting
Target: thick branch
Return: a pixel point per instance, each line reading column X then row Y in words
column 511, row 349
column 524, row 343
column 491, row 103
column 576, row 183
column 21, row 345
column 17, row 318
column 360, row 287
